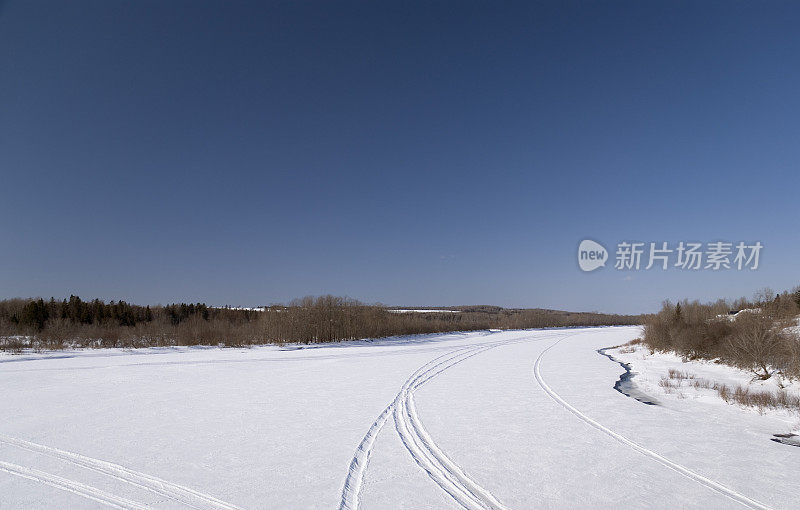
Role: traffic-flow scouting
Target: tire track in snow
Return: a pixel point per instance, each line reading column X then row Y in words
column 351, row 493
column 434, row 462
column 180, row 493
column 711, row 484
column 446, row 473
column 449, row 476
column 87, row 491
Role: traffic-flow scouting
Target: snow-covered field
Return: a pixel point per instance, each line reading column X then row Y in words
column 651, row 368
column 516, row 419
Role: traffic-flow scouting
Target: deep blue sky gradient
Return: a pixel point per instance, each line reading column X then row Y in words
column 415, row 153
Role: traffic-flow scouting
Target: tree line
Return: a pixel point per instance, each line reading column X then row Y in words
column 73, row 322
column 757, row 335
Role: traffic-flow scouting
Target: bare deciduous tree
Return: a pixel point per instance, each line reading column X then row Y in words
column 756, row 342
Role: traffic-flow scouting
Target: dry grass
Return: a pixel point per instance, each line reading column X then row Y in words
column 759, row 400
column 668, row 384
column 679, row 375
column 628, row 347
column 704, row 384
column 762, row 400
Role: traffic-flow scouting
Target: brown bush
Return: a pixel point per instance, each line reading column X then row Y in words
column 755, row 339
column 756, row 343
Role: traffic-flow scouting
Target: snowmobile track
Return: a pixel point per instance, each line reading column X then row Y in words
column 442, row 470
column 86, row 491
column 711, row 484
column 180, row 493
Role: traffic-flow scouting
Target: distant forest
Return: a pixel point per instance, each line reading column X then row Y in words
column 73, row 322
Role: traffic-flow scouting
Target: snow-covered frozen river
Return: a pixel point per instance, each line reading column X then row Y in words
column 515, row 419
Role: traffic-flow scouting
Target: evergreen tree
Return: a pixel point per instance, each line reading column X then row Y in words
column 34, row 314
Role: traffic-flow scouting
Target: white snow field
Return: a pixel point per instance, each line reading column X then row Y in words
column 482, row 420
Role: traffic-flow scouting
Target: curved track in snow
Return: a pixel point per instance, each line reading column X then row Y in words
column 683, row 470
column 421, row 446
column 176, row 492
column 447, row 475
column 351, row 491
column 64, row 484
column 358, row 466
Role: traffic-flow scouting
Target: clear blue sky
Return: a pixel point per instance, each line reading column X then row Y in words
column 430, row 153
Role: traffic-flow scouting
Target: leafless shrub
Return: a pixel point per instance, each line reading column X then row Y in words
column 629, row 347
column 755, row 339
column 14, row 343
column 760, row 400
column 679, row 375
column 756, row 343
column 701, row 384
column 667, row 384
